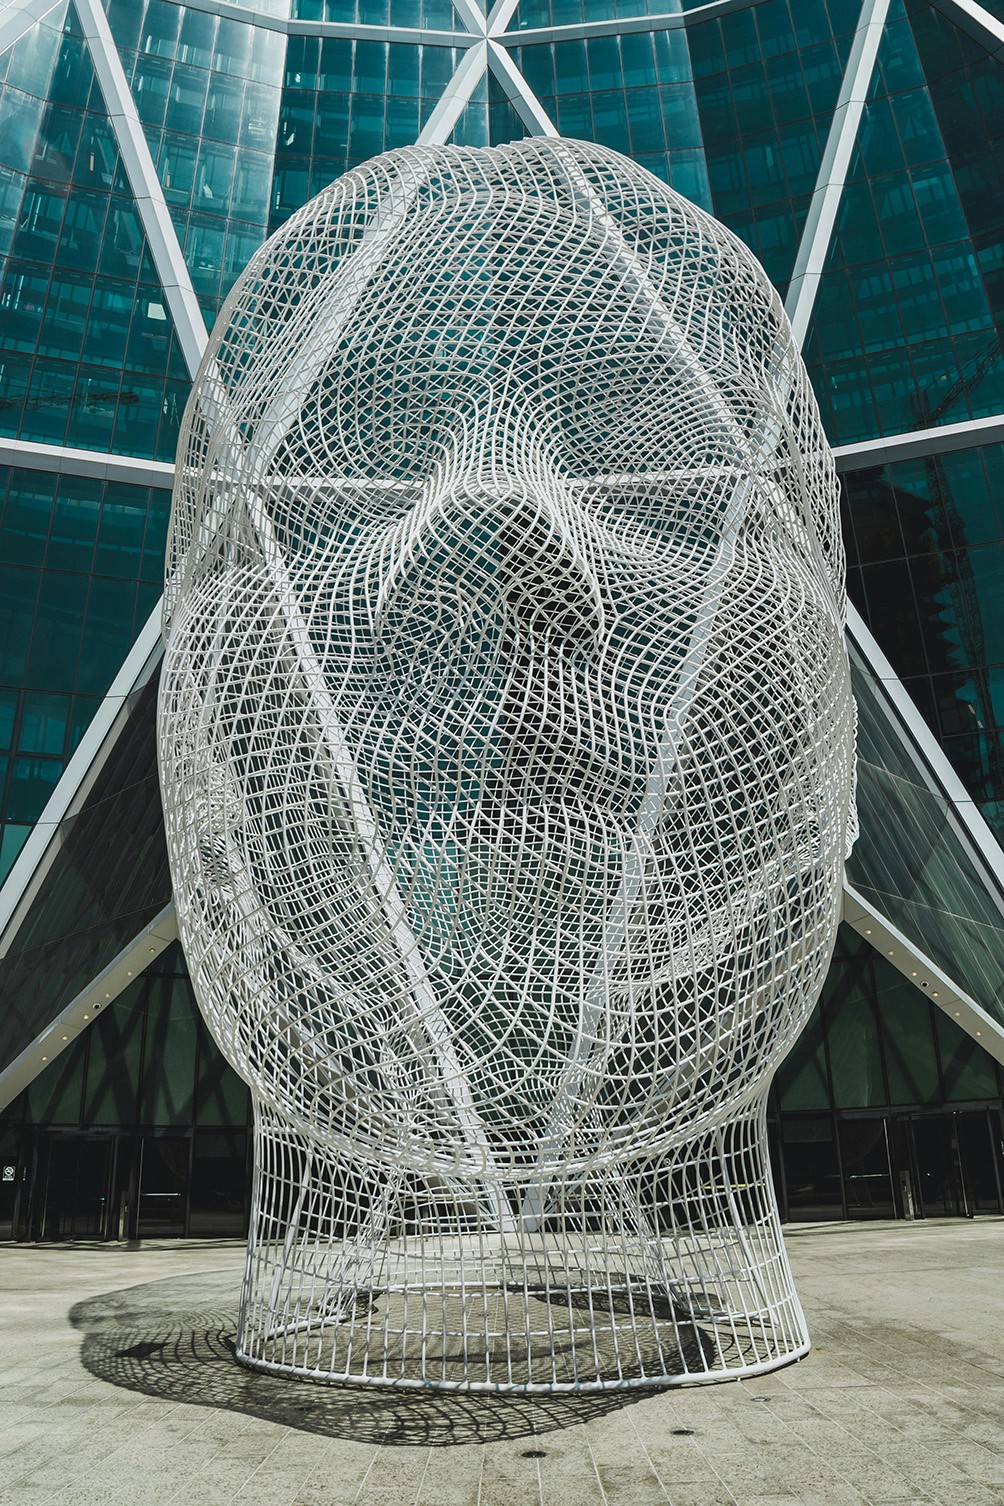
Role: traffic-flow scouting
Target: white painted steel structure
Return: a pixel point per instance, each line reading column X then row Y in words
column 507, row 759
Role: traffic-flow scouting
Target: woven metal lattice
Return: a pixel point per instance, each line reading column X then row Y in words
column 507, row 755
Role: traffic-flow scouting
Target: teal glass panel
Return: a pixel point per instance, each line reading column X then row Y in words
column 168, row 1082
column 343, row 101
column 207, row 90
column 905, row 1016
column 471, row 128
column 802, row 1080
column 28, row 65
column 906, row 329
column 31, row 782
column 84, row 335
column 968, row 1072
column 12, row 839
column 434, row 14
column 766, row 83
column 8, row 716
column 531, row 13
column 55, row 1094
column 114, row 1057
column 43, row 723
column 925, row 541
column 852, row 1031
column 489, row 118
column 245, row 125
column 107, row 880
column 222, row 1099
column 504, row 123
column 24, row 523
column 81, row 563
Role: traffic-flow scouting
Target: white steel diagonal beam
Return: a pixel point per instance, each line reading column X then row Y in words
column 901, row 953
column 674, row 20
column 84, row 1008
column 109, row 720
column 499, row 16
column 932, row 762
column 470, row 71
column 812, row 253
column 840, row 142
column 155, row 217
column 526, row 104
column 976, row 21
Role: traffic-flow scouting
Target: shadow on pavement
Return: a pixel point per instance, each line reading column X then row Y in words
column 174, row 1339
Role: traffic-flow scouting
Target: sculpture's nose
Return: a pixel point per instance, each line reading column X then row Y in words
column 530, row 546
column 547, row 579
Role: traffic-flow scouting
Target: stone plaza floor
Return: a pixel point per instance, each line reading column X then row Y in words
column 117, row 1385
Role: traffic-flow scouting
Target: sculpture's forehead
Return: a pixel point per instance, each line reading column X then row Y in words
column 425, row 284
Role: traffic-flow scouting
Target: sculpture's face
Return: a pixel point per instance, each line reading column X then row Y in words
column 506, row 724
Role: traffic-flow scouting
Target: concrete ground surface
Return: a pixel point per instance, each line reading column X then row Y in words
column 117, row 1385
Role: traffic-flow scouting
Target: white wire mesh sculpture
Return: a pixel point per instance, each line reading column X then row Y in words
column 507, row 755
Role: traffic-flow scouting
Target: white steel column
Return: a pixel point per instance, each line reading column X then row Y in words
column 840, row 143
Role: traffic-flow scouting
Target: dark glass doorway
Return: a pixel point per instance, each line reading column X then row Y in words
column 163, row 1186
column 951, row 1163
column 78, row 1172
column 981, row 1153
column 939, row 1189
column 867, row 1174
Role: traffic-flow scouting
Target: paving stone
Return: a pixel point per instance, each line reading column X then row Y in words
column 901, row 1402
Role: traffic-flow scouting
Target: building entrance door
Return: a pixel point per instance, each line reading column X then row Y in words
column 979, row 1144
column 78, row 1172
column 163, row 1186
column 939, row 1192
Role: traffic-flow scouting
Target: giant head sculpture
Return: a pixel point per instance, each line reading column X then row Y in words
column 507, row 755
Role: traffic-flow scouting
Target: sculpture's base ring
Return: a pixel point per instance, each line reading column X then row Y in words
column 598, row 1285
